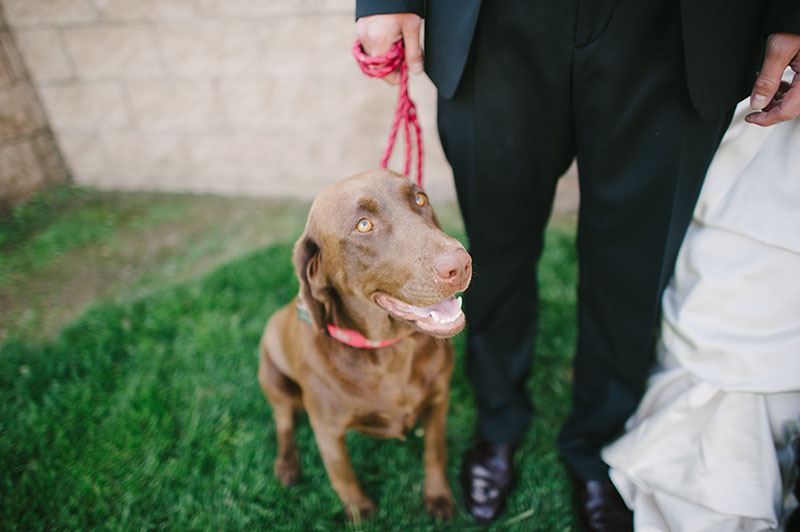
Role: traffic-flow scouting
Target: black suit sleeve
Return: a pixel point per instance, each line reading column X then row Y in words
column 383, row 7
column 783, row 16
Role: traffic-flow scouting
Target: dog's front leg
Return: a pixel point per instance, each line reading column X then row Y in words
column 333, row 450
column 438, row 498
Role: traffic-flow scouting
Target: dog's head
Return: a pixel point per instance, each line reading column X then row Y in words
column 372, row 249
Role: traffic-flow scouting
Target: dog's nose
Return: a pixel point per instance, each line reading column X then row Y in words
column 454, row 266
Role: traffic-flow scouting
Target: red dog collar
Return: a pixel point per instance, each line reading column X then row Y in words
column 346, row 336
column 356, row 339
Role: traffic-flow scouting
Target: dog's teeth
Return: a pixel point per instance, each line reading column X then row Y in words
column 459, row 301
column 443, row 320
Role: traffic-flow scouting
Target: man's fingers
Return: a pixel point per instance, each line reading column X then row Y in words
column 786, row 107
column 392, row 78
column 781, row 50
column 378, row 33
column 411, row 29
column 776, row 102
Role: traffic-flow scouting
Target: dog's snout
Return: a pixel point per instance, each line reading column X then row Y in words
column 454, row 266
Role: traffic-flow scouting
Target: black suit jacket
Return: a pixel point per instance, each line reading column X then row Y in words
column 723, row 42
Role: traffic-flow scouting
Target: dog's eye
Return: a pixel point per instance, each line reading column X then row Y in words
column 364, row 226
column 420, row 199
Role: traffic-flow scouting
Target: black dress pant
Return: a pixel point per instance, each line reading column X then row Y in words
column 548, row 81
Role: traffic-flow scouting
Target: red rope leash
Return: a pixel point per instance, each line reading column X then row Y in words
column 378, row 67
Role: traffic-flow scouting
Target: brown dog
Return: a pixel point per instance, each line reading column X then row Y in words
column 365, row 345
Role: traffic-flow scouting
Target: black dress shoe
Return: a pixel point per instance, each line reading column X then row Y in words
column 793, row 523
column 600, row 506
column 487, row 476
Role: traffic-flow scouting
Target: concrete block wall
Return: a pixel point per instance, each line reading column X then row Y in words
column 235, row 97
column 29, row 157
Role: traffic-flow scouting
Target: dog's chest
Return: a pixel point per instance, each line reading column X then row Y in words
column 392, row 411
column 392, row 401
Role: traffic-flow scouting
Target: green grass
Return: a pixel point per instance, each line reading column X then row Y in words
column 146, row 414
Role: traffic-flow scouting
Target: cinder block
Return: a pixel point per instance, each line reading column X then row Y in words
column 226, row 164
column 20, row 114
column 6, row 76
column 311, row 45
column 220, row 156
column 90, row 106
column 49, row 157
column 259, row 8
column 84, row 155
column 113, row 51
column 150, row 10
column 294, row 164
column 12, row 69
column 271, row 189
column 423, row 93
column 269, row 163
column 296, row 103
column 44, row 55
column 300, row 103
column 325, row 158
column 228, row 186
column 259, row 103
column 20, row 173
column 140, row 159
column 48, row 12
column 174, row 105
column 212, row 48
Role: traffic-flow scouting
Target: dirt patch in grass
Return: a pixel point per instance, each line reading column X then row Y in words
column 150, row 241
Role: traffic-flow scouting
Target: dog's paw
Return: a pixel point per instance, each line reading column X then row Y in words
column 360, row 511
column 440, row 506
column 287, row 468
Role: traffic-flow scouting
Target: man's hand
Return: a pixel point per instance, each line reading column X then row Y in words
column 775, row 101
column 378, row 33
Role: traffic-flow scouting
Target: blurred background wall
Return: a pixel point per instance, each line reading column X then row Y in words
column 257, row 98
column 29, row 157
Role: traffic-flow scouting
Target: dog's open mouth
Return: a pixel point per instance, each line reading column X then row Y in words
column 442, row 319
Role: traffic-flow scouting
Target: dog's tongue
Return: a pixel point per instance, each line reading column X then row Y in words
column 443, row 312
column 450, row 307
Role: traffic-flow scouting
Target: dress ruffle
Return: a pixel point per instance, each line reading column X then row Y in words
column 713, row 445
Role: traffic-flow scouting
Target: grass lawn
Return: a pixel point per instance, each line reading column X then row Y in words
column 144, row 411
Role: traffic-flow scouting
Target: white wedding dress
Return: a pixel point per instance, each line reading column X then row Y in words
column 713, row 445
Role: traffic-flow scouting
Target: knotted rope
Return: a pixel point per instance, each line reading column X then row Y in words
column 406, row 112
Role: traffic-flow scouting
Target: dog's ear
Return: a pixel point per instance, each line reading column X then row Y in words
column 307, row 260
